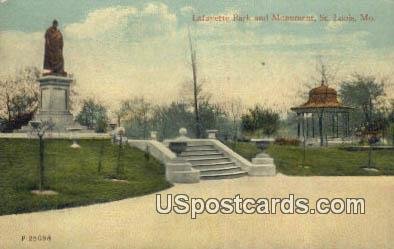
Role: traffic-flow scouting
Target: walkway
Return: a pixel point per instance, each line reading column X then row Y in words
column 134, row 223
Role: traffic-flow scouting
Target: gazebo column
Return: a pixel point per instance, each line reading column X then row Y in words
column 347, row 124
column 321, row 128
column 337, row 124
column 333, row 124
column 298, row 125
column 313, row 125
column 307, row 126
column 303, row 126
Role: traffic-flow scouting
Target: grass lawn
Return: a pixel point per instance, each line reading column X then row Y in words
column 73, row 173
column 331, row 161
column 245, row 149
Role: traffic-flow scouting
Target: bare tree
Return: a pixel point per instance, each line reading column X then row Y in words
column 19, row 96
column 187, row 92
column 234, row 109
column 325, row 73
column 122, row 113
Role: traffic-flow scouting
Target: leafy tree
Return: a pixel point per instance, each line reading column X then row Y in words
column 93, row 115
column 365, row 94
column 167, row 120
column 136, row 114
column 212, row 116
column 261, row 120
column 391, row 132
column 391, row 112
column 390, row 119
column 19, row 98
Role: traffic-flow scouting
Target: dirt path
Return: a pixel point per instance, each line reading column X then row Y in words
column 134, row 223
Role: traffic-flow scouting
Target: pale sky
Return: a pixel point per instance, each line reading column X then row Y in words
column 121, row 49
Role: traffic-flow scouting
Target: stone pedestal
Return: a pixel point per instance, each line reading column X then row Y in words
column 180, row 171
column 55, row 102
column 153, row 135
column 212, row 134
column 262, row 165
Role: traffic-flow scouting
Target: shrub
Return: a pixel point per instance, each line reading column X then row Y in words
column 260, row 119
column 287, row 141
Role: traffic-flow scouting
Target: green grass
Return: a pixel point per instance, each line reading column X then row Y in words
column 246, row 150
column 331, row 161
column 73, row 173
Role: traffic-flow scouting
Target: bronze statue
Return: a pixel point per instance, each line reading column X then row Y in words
column 53, row 58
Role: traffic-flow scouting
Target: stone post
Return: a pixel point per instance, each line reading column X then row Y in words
column 153, row 135
column 212, row 134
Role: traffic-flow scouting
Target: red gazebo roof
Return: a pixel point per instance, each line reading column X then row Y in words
column 322, row 97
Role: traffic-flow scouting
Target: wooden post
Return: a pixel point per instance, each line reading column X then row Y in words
column 195, row 89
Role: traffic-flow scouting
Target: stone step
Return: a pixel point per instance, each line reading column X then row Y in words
column 212, row 164
column 200, row 153
column 206, row 158
column 222, row 169
column 199, row 144
column 199, row 147
column 218, row 176
column 212, row 161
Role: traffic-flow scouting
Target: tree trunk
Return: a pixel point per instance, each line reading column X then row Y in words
column 41, row 166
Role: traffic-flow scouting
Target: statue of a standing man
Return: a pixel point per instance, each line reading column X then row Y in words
column 53, row 58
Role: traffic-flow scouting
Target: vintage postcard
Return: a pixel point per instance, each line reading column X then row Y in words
column 196, row 124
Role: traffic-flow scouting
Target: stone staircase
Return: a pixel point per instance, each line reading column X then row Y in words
column 211, row 163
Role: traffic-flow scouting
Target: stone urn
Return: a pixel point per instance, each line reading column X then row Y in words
column 112, row 126
column 74, row 136
column 177, row 147
column 263, row 143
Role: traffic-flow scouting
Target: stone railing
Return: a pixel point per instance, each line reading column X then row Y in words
column 56, row 135
column 180, row 171
column 177, row 170
column 156, row 149
column 258, row 166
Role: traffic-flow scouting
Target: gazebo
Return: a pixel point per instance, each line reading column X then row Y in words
column 324, row 106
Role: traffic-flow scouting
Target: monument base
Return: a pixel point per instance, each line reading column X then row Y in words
column 61, row 121
column 54, row 105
